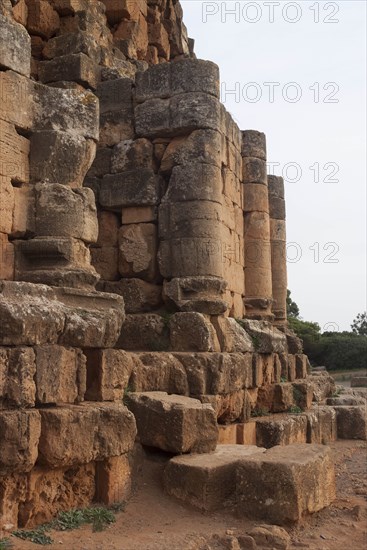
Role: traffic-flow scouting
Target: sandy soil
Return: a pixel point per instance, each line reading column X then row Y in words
column 152, row 521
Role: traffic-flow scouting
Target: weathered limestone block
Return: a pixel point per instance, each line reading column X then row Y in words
column 23, row 215
column 131, row 188
column 276, row 398
column 113, row 480
column 56, row 261
column 108, row 228
column 65, row 212
column 265, row 337
column 6, row 258
column 285, row 483
column 124, row 9
column 108, row 374
column 139, row 296
column 43, row 20
column 232, row 407
column 195, row 182
column 358, row 382
column 158, row 371
column 20, row 433
column 76, row 67
column 139, row 214
column 15, row 47
column 17, row 371
column 131, row 37
column 294, row 344
column 37, row 314
column 201, row 146
column 346, row 400
column 144, row 332
column 217, row 373
column 253, row 144
column 158, row 37
column 192, row 331
column 254, row 172
column 71, row 163
column 232, row 337
column 115, row 95
column 194, row 219
column 20, row 12
column 181, row 114
column 281, row 430
column 321, row 425
column 174, row 423
column 60, row 376
column 191, row 257
column 227, row 434
column 12, row 493
column 7, row 204
column 302, row 394
column 201, row 294
column 270, row 536
column 58, row 109
column 187, row 75
column 78, row 434
column 138, row 245
column 105, row 261
column 323, row 385
column 206, row 481
column 351, row 422
column 14, row 153
column 256, row 198
column 73, row 43
column 16, row 94
column 129, row 154
column 69, row 7
column 101, row 164
column 59, row 489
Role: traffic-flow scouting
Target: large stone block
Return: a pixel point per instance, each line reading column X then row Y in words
column 351, row 422
column 285, row 483
column 174, row 423
column 12, row 492
column 182, row 114
column 43, row 20
column 71, row 163
column 253, row 144
column 139, row 214
column 254, row 171
column 321, row 425
column 192, row 331
column 323, row 385
column 113, row 480
column 266, row 338
column 6, row 258
column 187, row 75
column 207, row 482
column 108, row 374
column 129, row 154
column 194, row 219
column 7, row 204
column 281, row 430
column 16, row 96
column 202, row 294
column 78, row 434
column 105, row 261
column 195, row 182
column 144, row 332
column 63, row 212
column 20, row 433
column 138, row 247
column 139, row 296
column 58, row 109
column 124, row 9
column 59, row 489
column 15, row 47
column 72, row 43
column 256, row 198
column 232, row 337
column 24, row 214
column 131, row 188
column 14, row 154
column 60, row 376
column 76, row 67
column 17, row 372
column 115, row 95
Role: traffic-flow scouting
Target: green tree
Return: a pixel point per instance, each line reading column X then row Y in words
column 359, row 325
column 292, row 308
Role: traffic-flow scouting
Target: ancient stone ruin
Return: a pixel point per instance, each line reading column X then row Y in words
column 142, row 263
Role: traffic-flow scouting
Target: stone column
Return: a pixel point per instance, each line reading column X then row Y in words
column 278, row 248
column 258, row 275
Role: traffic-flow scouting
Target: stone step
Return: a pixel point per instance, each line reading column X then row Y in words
column 206, row 481
column 174, row 423
column 351, row 422
column 280, row 484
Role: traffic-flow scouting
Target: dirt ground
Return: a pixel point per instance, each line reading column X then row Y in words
column 153, row 521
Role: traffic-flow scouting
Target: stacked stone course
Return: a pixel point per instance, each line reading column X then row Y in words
column 142, row 249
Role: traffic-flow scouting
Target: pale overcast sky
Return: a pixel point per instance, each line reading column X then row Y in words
column 318, row 140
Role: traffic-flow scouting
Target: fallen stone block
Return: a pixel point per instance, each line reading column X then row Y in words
column 207, row 481
column 351, row 422
column 15, row 47
column 78, row 434
column 281, row 430
column 174, row 423
column 17, row 372
column 20, row 434
column 108, row 374
column 192, row 332
column 285, row 483
column 60, row 375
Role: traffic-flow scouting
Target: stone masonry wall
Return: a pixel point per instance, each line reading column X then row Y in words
column 125, row 186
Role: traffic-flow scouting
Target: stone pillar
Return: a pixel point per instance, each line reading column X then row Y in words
column 278, row 248
column 258, row 275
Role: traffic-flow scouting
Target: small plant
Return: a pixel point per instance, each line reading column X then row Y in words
column 283, row 379
column 99, row 518
column 166, row 317
column 37, row 536
column 295, row 409
column 6, row 544
column 66, row 521
column 260, row 411
column 256, row 342
column 127, row 391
